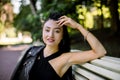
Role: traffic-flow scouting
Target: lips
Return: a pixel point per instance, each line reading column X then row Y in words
column 50, row 40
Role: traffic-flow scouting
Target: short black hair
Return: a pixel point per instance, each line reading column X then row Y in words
column 55, row 15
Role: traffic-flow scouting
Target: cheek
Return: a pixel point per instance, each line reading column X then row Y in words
column 43, row 36
column 59, row 38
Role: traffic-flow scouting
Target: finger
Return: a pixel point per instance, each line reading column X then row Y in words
column 57, row 22
column 63, row 17
column 64, row 23
column 61, row 21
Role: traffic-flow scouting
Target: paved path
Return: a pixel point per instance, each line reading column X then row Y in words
column 8, row 59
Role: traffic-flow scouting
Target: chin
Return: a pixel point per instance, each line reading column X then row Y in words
column 51, row 44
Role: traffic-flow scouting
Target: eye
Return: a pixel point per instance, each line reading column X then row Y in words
column 57, row 30
column 47, row 30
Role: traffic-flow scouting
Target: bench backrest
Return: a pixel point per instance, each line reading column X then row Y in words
column 105, row 68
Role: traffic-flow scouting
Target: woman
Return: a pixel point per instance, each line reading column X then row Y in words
column 55, row 37
column 54, row 61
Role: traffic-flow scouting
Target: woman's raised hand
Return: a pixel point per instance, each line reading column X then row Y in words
column 64, row 20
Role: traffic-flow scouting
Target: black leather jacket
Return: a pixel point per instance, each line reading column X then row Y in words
column 25, row 63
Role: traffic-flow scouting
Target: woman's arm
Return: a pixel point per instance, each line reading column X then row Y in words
column 97, row 48
column 94, row 43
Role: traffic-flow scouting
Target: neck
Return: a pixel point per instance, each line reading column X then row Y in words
column 50, row 50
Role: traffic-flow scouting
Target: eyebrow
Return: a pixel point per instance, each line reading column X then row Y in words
column 54, row 28
column 58, row 28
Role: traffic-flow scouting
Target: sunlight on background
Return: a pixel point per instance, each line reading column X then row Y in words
column 87, row 17
column 8, row 34
column 21, row 38
column 16, row 5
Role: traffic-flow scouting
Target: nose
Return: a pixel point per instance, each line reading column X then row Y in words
column 51, row 34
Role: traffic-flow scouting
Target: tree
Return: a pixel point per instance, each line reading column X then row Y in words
column 6, row 16
column 115, row 22
column 30, row 17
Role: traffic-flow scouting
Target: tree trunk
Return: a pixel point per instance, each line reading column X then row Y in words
column 102, row 19
column 115, row 23
column 33, row 7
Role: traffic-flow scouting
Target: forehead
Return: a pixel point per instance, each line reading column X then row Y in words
column 51, row 23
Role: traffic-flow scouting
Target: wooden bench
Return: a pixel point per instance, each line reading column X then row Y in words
column 105, row 68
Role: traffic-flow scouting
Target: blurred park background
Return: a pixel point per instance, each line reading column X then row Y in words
column 21, row 21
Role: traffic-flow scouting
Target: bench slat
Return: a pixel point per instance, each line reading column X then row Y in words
column 107, row 65
column 101, row 71
column 78, row 76
column 87, row 74
column 113, row 60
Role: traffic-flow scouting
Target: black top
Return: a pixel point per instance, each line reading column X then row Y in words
column 42, row 70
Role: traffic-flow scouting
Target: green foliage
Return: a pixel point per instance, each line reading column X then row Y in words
column 26, row 21
column 90, row 13
column 63, row 6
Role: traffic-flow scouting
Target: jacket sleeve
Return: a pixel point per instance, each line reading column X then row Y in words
column 19, row 63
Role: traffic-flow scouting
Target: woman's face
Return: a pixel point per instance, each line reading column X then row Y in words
column 52, row 33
